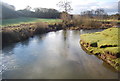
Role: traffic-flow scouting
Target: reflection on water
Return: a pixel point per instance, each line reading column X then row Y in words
column 55, row 55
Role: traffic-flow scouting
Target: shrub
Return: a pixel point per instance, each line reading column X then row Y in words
column 86, row 22
column 41, row 25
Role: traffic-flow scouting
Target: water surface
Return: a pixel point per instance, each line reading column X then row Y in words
column 55, row 55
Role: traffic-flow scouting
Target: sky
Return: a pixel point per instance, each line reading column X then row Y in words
column 110, row 6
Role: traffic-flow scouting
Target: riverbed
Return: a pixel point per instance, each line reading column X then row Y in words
column 54, row 55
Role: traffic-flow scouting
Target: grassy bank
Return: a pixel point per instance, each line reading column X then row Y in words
column 26, row 20
column 104, row 44
column 11, row 34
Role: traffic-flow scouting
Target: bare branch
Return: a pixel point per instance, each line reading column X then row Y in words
column 65, row 5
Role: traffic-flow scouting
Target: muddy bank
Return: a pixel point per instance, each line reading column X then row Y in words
column 104, row 44
column 21, row 32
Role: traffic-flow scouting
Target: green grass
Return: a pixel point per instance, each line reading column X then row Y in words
column 108, row 20
column 24, row 20
column 108, row 38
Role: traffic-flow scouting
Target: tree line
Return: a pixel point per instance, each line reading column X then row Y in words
column 8, row 11
column 98, row 13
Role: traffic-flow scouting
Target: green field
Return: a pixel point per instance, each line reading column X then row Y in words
column 23, row 20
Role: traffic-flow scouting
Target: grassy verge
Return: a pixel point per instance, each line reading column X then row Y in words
column 104, row 44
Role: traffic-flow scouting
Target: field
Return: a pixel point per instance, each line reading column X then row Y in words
column 23, row 20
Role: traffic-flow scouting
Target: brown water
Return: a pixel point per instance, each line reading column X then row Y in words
column 55, row 55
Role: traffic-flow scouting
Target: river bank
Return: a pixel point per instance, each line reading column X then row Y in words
column 11, row 34
column 104, row 44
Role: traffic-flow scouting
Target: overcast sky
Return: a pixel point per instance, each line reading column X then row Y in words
column 110, row 6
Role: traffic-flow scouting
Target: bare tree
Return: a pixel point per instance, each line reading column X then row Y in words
column 98, row 13
column 65, row 5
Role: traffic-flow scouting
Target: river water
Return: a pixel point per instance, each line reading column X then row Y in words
column 54, row 55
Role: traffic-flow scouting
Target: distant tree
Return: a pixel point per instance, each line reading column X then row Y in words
column 98, row 13
column 27, row 12
column 8, row 11
column 28, row 8
column 46, row 13
column 65, row 5
column 12, row 7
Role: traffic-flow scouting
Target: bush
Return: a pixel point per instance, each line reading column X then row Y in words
column 41, row 25
column 86, row 22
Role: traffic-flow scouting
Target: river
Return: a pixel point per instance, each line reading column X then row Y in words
column 54, row 55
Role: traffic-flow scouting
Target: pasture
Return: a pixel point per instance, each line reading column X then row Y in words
column 25, row 20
